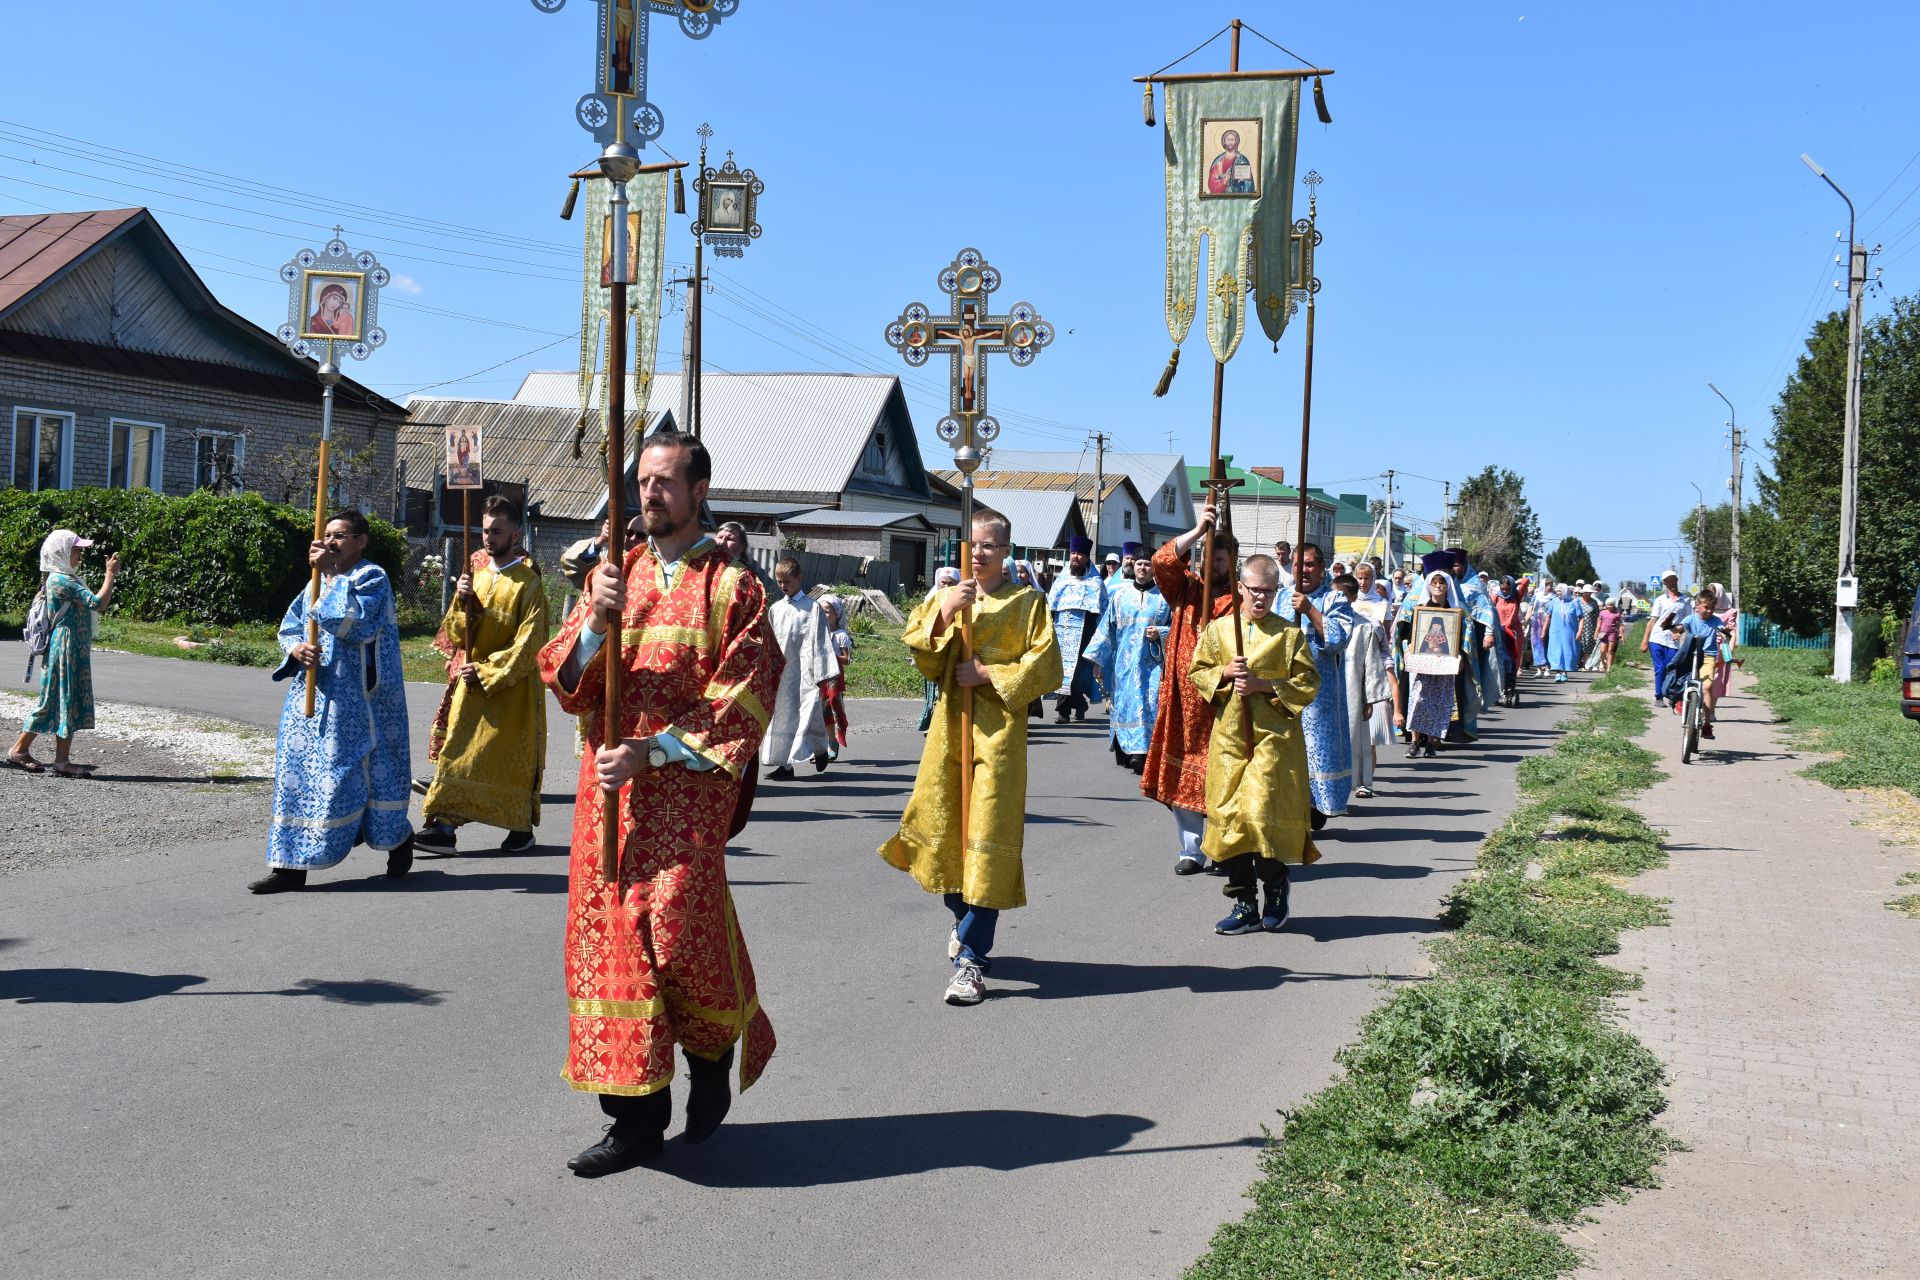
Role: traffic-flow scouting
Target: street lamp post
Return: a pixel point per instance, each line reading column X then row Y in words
column 1847, row 587
column 1699, row 531
column 1733, row 564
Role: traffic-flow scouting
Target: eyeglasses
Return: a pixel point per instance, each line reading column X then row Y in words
column 993, row 546
column 1258, row 591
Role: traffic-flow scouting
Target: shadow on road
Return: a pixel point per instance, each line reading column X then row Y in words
column 1340, row 928
column 432, row 879
column 811, row 1153
column 115, row 986
column 1077, row 979
column 1330, row 868
column 1390, row 835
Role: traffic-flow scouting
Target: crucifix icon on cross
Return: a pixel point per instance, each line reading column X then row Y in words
column 968, row 335
column 617, row 108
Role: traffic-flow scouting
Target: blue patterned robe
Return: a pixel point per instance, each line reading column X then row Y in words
column 1329, row 745
column 1130, row 664
column 341, row 777
column 1073, row 601
column 66, row 682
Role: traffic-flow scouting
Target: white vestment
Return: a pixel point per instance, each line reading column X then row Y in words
column 1368, row 680
column 798, row 729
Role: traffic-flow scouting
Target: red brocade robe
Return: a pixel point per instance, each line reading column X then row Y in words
column 660, row 959
column 1176, row 769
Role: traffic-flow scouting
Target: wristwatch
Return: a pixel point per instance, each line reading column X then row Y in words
column 656, row 754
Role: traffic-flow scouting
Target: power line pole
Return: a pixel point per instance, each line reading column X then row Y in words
column 1446, row 511
column 1099, row 483
column 1733, row 490
column 1390, row 546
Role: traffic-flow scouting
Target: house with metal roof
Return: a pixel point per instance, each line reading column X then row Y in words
column 1266, row 510
column 1043, row 520
column 120, row 368
column 1121, row 512
column 1159, row 480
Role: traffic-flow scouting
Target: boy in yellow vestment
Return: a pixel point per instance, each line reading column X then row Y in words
column 1259, row 809
column 1015, row 660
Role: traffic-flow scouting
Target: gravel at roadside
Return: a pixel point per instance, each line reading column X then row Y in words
column 164, row 779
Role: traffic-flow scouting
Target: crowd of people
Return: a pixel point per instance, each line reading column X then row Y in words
column 1250, row 694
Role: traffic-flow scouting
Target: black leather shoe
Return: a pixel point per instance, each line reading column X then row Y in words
column 616, row 1152
column 709, row 1095
column 400, row 859
column 279, row 880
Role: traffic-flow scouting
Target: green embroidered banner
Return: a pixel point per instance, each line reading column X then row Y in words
column 1231, row 146
column 647, row 266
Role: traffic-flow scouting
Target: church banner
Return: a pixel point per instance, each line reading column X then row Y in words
column 647, row 196
column 1230, row 149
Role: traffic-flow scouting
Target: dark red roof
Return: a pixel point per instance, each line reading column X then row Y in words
column 36, row 247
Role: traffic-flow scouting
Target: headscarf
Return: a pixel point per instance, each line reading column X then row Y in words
column 56, row 552
column 1563, row 591
column 1453, row 589
column 945, row 576
column 1506, row 587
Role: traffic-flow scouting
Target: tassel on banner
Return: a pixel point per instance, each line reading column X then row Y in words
column 1146, row 102
column 573, row 194
column 679, row 193
column 1320, row 101
column 1166, row 378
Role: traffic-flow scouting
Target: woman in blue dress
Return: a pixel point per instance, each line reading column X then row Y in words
column 66, row 686
column 1563, row 633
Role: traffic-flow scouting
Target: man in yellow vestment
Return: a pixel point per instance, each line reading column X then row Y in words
column 1015, row 660
column 1259, row 810
column 489, row 766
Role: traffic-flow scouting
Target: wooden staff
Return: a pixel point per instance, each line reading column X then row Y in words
column 329, row 373
column 966, row 653
column 610, row 832
column 466, row 531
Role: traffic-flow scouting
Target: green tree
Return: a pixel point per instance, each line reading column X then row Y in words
column 1496, row 524
column 1571, row 561
column 1791, row 538
column 1712, row 542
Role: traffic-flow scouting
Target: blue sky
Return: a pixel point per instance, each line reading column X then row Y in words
column 1547, row 225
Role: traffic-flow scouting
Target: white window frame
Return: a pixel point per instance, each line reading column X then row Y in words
column 156, row 469
column 66, row 445
column 239, row 439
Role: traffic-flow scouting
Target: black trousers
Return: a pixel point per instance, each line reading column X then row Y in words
column 1244, row 869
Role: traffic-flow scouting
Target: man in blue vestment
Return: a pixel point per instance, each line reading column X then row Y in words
column 1326, row 618
column 1129, row 648
column 1077, row 600
column 341, row 775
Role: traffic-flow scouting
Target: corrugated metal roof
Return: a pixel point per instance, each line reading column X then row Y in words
column 1040, row 518
column 1115, row 485
column 853, row 520
column 523, row 444
column 1150, row 473
column 751, row 507
column 36, row 247
column 799, row 433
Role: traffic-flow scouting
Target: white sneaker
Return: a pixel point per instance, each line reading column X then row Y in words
column 966, row 987
column 953, row 944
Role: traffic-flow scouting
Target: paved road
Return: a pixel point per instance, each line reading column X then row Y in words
column 364, row 1080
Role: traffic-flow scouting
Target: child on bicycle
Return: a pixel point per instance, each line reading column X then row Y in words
column 1700, row 632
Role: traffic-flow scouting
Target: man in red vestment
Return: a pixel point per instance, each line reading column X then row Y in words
column 1176, row 769
column 658, row 957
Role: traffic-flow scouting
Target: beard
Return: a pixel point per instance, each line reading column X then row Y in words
column 659, row 522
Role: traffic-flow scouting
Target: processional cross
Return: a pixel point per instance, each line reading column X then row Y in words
column 616, row 109
column 968, row 335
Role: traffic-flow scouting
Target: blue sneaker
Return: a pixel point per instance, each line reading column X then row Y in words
column 1274, row 918
column 1244, row 918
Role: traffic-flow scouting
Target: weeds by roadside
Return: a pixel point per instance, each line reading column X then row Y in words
column 1861, row 723
column 1498, row 1097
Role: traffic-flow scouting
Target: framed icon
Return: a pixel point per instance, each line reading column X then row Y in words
column 331, row 305
column 1434, row 649
column 463, row 458
column 1232, row 151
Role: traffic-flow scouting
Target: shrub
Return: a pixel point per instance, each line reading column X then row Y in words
column 206, row 558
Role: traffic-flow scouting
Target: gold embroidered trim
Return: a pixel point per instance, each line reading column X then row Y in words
column 722, row 1017
column 618, row 1090
column 664, row 634
column 617, row 1008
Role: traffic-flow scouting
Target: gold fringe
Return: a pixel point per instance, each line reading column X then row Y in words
column 1166, row 378
column 573, row 194
column 1146, row 102
column 679, row 193
column 1320, row 101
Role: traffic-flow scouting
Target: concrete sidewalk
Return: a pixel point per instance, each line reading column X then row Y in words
column 1785, row 999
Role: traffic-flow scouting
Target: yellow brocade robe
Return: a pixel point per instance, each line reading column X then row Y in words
column 1258, row 803
column 496, row 744
column 1013, row 639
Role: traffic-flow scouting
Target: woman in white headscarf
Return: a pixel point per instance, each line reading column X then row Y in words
column 1432, row 704
column 66, row 686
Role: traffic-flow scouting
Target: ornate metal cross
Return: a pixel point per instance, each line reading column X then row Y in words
column 617, row 107
column 968, row 335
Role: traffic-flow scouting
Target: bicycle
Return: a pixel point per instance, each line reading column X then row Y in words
column 1693, row 712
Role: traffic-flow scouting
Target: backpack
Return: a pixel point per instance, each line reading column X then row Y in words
column 37, row 634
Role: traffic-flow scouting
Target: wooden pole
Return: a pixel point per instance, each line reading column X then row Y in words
column 699, row 307
column 1306, row 436
column 329, row 376
column 966, row 652
column 611, row 821
column 466, row 530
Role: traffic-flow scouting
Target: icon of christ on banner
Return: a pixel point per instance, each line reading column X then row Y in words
column 1234, row 146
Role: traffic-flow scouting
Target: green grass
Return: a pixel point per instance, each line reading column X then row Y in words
column 1861, row 723
column 1497, row 1099
column 254, row 644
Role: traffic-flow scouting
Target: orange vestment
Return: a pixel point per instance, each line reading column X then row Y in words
column 661, row 959
column 1176, row 768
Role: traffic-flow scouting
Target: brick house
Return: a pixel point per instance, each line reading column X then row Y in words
column 119, row 368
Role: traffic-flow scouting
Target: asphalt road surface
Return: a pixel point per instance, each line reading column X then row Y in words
column 363, row 1079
